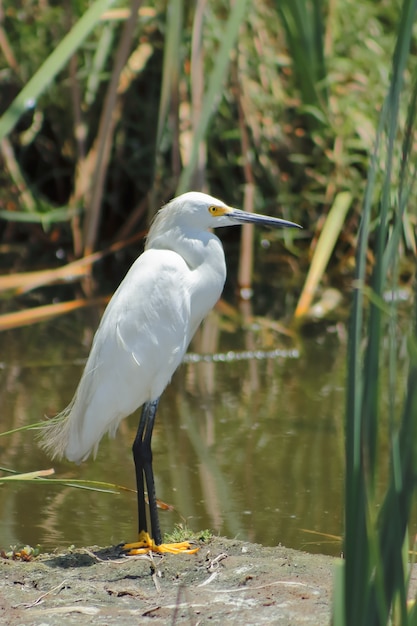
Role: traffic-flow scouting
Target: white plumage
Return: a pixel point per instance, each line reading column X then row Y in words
column 149, row 322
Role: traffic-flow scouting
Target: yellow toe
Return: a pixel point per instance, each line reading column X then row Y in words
column 145, row 544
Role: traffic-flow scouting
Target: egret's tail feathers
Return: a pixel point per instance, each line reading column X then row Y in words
column 96, row 408
column 55, row 434
column 73, row 434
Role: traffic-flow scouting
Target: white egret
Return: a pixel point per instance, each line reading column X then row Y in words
column 142, row 338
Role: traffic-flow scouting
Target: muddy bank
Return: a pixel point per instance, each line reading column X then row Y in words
column 226, row 581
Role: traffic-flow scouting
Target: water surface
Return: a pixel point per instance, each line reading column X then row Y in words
column 249, row 448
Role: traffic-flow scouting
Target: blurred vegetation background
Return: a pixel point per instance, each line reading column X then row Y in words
column 111, row 109
column 300, row 108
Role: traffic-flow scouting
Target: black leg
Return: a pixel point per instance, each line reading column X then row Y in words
column 142, row 456
column 138, row 460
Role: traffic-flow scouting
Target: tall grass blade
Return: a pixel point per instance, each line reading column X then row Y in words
column 27, row 475
column 339, row 602
column 41, row 476
column 101, row 54
column 325, row 246
column 171, row 63
column 52, row 65
column 303, row 24
column 52, row 216
column 375, row 575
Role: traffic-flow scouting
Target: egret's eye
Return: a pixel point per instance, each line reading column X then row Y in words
column 216, row 210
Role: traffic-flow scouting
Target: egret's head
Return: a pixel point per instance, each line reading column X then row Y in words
column 195, row 210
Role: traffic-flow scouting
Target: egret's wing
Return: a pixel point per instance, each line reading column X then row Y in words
column 148, row 317
column 140, row 342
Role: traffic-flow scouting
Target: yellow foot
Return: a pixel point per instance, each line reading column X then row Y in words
column 145, row 544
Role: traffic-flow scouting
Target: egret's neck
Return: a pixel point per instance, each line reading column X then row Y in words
column 203, row 253
column 197, row 248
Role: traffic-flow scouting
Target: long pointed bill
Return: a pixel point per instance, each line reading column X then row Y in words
column 253, row 218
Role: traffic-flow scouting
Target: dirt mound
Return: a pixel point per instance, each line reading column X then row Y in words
column 225, row 581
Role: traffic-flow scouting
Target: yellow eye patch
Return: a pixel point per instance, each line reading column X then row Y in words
column 217, row 210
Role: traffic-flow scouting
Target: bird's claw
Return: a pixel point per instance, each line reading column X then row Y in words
column 145, row 544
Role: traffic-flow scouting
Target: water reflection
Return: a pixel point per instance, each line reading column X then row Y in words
column 247, row 448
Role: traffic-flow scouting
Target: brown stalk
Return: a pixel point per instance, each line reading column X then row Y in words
column 5, row 45
column 26, row 281
column 109, row 117
column 174, row 122
column 13, row 168
column 247, row 236
column 87, row 164
column 80, row 132
column 42, row 313
column 134, row 218
column 198, row 180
